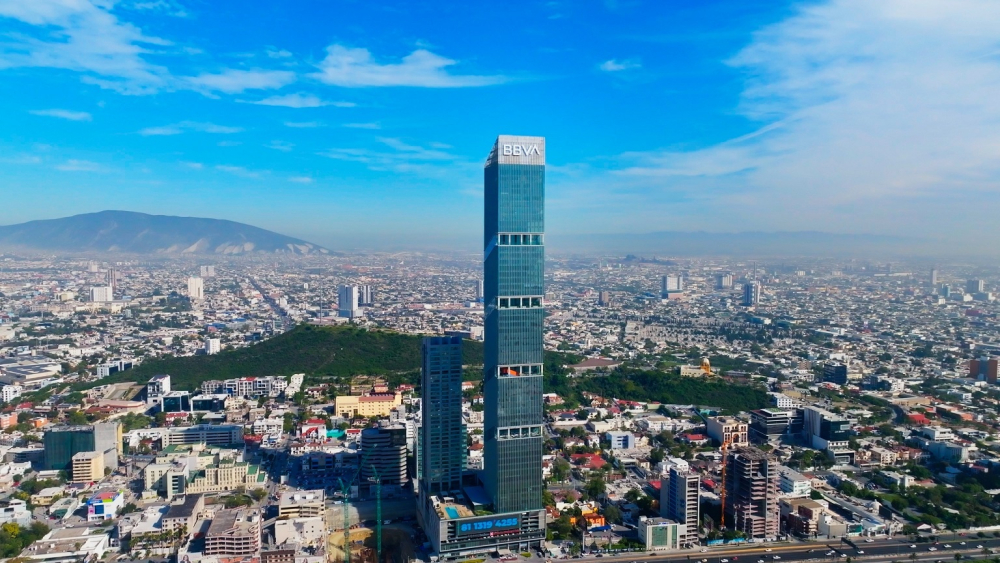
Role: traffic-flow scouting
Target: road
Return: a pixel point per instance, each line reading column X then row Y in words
column 889, row 549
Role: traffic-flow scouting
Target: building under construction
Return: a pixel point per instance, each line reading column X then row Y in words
column 752, row 493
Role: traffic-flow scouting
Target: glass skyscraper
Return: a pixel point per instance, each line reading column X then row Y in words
column 514, row 312
column 442, row 438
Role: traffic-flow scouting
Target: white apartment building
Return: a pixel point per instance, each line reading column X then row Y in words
column 101, row 294
column 213, row 346
column 196, row 288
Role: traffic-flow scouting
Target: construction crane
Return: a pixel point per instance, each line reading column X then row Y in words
column 377, row 479
column 345, row 490
column 725, row 449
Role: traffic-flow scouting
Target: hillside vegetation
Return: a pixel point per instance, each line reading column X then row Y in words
column 316, row 351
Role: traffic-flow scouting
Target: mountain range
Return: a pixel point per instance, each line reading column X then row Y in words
column 140, row 233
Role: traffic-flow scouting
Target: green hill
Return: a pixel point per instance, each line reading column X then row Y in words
column 315, row 351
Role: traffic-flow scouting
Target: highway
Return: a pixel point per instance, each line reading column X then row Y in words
column 880, row 549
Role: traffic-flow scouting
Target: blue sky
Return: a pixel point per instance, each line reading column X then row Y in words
column 363, row 123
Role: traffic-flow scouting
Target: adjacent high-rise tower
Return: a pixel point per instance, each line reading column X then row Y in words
column 442, row 436
column 514, row 312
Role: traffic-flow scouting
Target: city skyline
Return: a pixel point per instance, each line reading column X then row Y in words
column 721, row 117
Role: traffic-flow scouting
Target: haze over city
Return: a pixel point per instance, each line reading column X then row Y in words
column 360, row 125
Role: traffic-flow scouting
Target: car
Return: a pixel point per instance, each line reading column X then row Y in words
column 869, row 540
column 913, row 546
column 829, row 553
column 704, row 549
column 947, row 546
column 768, row 549
column 932, row 548
column 861, row 552
column 980, row 546
column 723, row 561
column 760, row 561
column 843, row 555
column 776, row 557
column 962, row 543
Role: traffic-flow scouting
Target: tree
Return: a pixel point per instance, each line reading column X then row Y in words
column 76, row 417
column 595, row 487
column 613, row 514
column 560, row 469
column 815, row 495
column 656, row 456
column 258, row 494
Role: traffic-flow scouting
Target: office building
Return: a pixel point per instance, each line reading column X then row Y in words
column 514, row 289
column 442, row 435
column 384, row 451
column 213, row 346
column 101, row 294
column 828, row 431
column 111, row 279
column 771, row 425
column 506, row 511
column 234, row 533
column 64, row 442
column 604, row 298
column 479, row 290
column 751, row 293
column 211, row 434
column 196, row 289
column 934, row 277
column 366, row 297
column 207, row 271
column 945, row 291
column 984, row 369
column 347, row 302
column 723, row 281
column 728, row 430
column 671, row 284
column 680, row 500
column 87, row 467
column 975, row 286
column 752, row 493
column 836, row 374
column 793, row 483
column 301, row 504
column 661, row 534
column 620, row 440
column 176, row 401
column 210, row 403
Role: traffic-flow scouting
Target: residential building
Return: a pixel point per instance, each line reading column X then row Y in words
column 752, row 493
column 15, row 511
column 10, row 392
column 723, row 281
column 975, row 286
column 670, row 285
column 442, row 434
column 620, row 440
column 729, row 430
column 207, row 271
column 680, row 501
column 158, row 386
column 183, row 513
column 101, row 294
column 984, row 369
column 234, row 533
column 751, row 293
column 347, row 302
column 213, row 346
column 196, row 288
column 366, row 297
column 299, row 504
column 782, row 401
column 87, row 467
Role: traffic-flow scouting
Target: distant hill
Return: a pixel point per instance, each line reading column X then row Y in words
column 139, row 233
column 309, row 349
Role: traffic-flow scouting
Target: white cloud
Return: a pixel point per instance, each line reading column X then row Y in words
column 303, row 124
column 355, row 67
column 874, row 117
column 278, row 53
column 301, row 101
column 362, row 125
column 238, row 171
column 404, row 157
column 178, row 128
column 73, row 165
column 235, row 81
column 83, row 36
column 282, row 146
column 615, row 65
column 229, row 143
column 63, row 114
column 193, row 165
column 301, row 179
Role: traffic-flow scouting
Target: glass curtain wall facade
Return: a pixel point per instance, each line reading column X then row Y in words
column 442, row 437
column 514, row 311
